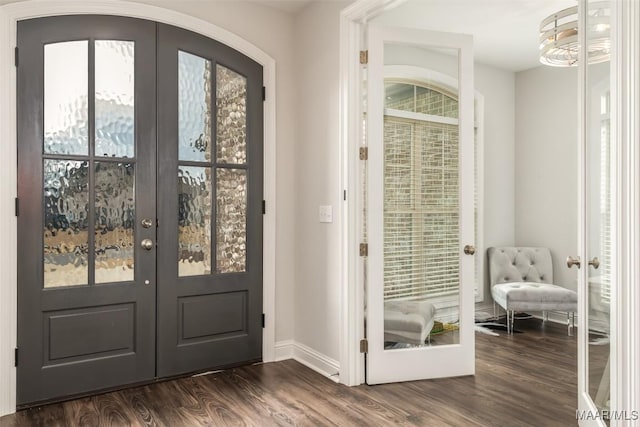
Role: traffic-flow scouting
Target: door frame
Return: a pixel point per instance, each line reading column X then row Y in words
column 352, row 40
column 9, row 16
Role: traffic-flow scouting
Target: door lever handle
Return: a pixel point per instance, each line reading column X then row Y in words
column 571, row 261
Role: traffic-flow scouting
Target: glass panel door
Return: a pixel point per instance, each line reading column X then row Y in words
column 420, row 288
column 139, row 256
column 210, row 204
column 598, row 196
column 86, row 162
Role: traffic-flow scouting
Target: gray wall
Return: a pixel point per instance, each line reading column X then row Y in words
column 546, row 164
column 317, row 180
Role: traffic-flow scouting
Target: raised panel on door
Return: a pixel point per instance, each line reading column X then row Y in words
column 86, row 177
column 209, row 204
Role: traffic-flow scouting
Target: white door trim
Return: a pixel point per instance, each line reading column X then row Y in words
column 352, row 267
column 625, row 372
column 9, row 16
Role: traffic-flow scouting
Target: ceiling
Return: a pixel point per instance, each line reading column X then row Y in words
column 289, row 6
column 505, row 32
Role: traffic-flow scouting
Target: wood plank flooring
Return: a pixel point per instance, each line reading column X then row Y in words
column 528, row 379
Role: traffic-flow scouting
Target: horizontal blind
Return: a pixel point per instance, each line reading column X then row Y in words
column 605, row 206
column 421, row 239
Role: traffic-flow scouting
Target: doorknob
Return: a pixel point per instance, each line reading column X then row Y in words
column 571, row 261
column 595, row 262
column 147, row 244
column 469, row 249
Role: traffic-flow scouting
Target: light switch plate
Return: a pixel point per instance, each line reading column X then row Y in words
column 325, row 213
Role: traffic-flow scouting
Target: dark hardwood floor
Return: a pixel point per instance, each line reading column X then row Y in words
column 528, row 379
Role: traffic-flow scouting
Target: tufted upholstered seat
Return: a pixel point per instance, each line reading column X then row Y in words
column 408, row 321
column 522, row 280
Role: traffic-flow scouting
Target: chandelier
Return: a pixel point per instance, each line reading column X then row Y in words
column 559, row 44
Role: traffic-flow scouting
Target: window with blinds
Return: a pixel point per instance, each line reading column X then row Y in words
column 421, row 247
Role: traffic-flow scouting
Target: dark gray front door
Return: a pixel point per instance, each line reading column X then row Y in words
column 139, row 227
column 209, row 204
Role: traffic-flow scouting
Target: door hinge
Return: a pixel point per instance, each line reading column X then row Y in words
column 16, row 357
column 264, row 93
column 364, row 57
column 263, row 320
column 17, row 206
column 264, row 207
column 17, row 56
column 364, row 249
column 364, row 346
column 364, row 153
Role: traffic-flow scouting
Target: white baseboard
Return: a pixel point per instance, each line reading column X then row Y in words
column 322, row 364
column 284, row 350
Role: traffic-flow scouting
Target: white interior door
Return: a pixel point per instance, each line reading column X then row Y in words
column 420, row 208
column 596, row 342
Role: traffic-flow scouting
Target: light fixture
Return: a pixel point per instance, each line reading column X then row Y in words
column 559, row 44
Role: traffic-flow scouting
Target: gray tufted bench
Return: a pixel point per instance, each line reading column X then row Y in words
column 408, row 321
column 522, row 280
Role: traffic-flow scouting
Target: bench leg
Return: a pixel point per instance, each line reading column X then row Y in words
column 510, row 319
column 570, row 323
column 507, row 320
column 513, row 320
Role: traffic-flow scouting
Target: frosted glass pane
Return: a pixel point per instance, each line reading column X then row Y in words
column 194, row 221
column 66, row 82
column 114, row 89
column 231, row 100
column 194, row 107
column 114, row 222
column 231, row 220
column 66, row 231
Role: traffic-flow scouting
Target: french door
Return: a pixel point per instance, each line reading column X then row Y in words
column 420, row 208
column 140, row 189
column 597, row 276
